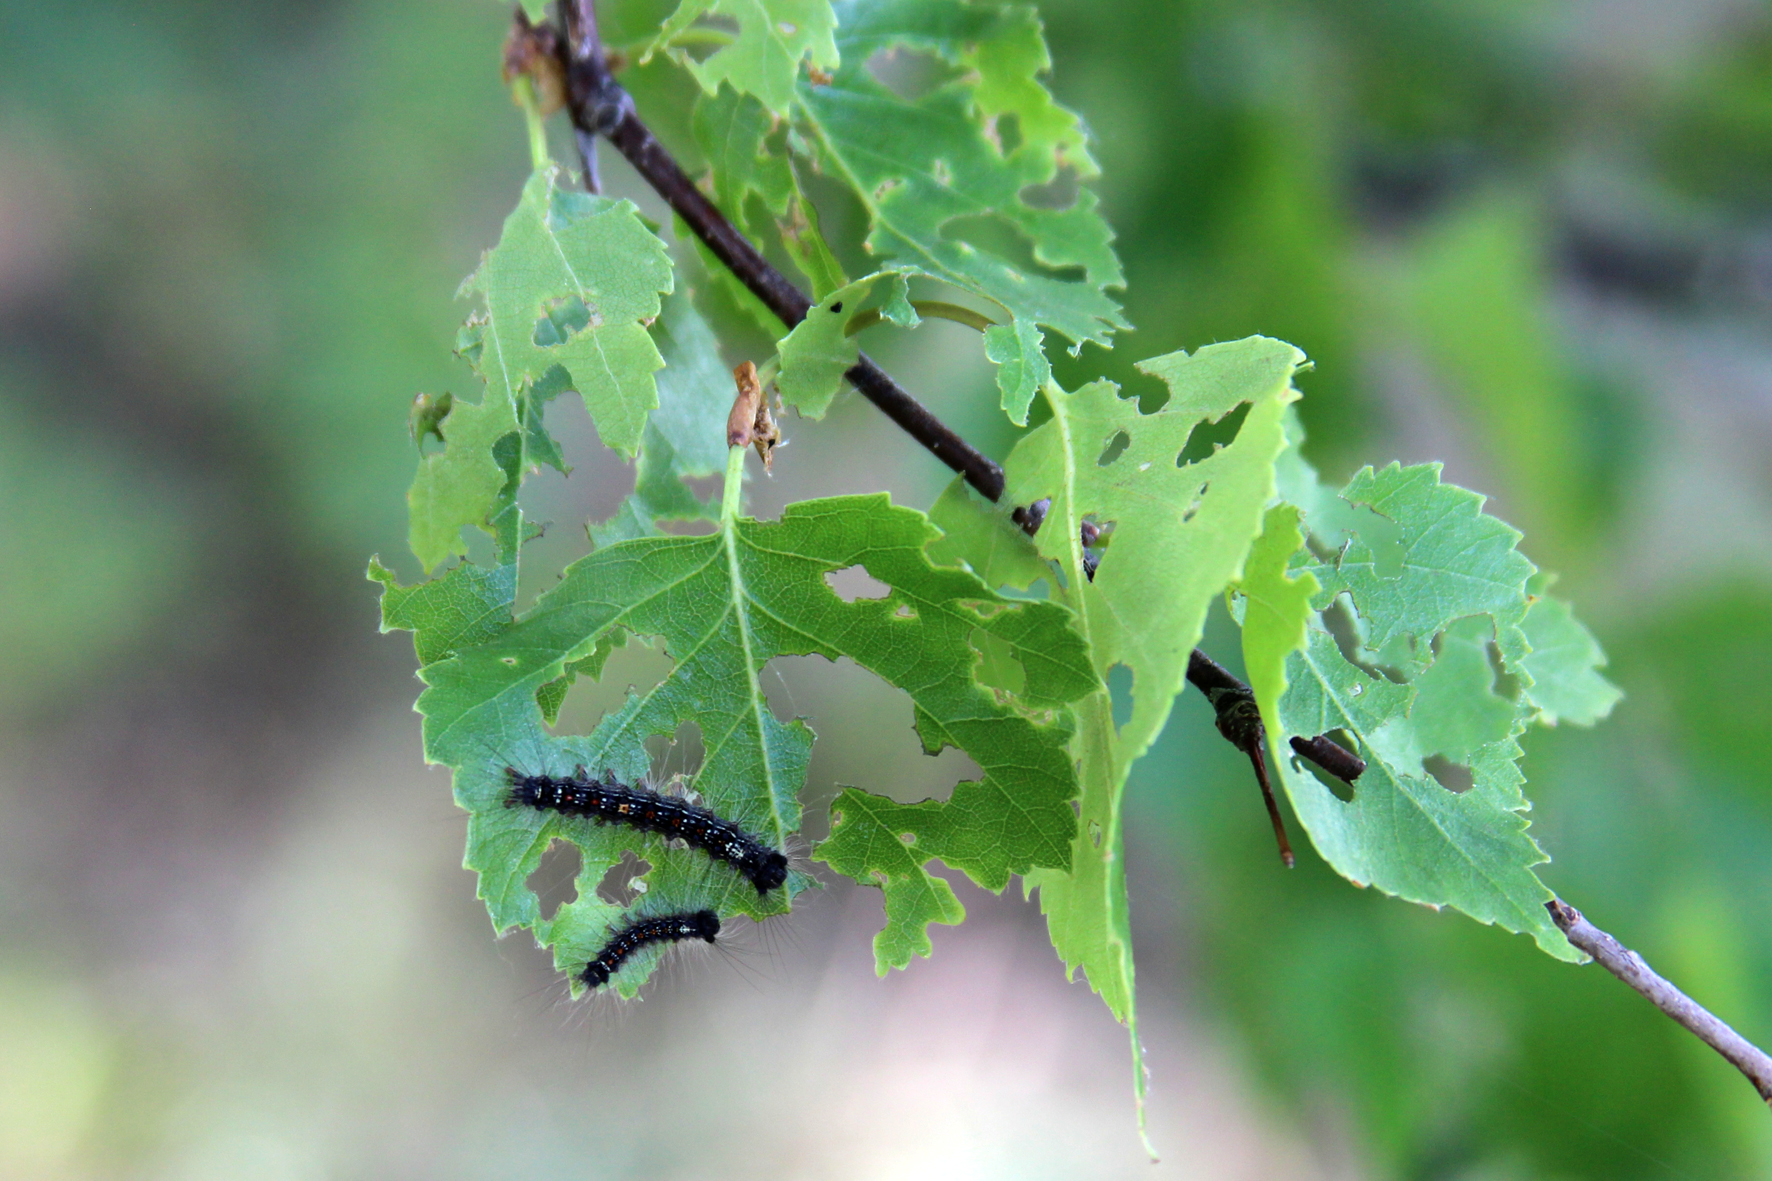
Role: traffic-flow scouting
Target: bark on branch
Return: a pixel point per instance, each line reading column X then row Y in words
column 1629, row 967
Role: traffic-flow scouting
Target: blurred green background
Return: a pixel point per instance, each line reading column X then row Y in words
column 1531, row 240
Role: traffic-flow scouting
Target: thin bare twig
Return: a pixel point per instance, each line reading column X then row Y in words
column 1629, row 967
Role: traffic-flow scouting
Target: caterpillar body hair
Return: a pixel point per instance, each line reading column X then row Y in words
column 609, row 802
column 670, row 928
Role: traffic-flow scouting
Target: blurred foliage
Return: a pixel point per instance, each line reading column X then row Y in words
column 229, row 233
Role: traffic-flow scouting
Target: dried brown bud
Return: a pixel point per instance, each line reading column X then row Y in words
column 533, row 50
column 741, row 424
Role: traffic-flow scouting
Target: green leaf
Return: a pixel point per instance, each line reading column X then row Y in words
column 1564, row 666
column 686, row 437
column 565, row 293
column 1275, row 613
column 467, row 606
column 1456, row 560
column 820, row 349
column 1438, row 596
column 573, row 281
column 944, row 192
column 724, row 605
column 1175, row 534
column 764, row 59
column 733, row 131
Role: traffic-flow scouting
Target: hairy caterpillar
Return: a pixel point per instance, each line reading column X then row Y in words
column 670, row 928
column 610, row 802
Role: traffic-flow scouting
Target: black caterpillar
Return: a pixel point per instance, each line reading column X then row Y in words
column 670, row 928
column 610, row 802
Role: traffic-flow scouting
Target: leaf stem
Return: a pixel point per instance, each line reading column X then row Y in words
column 523, row 89
column 732, row 496
column 939, row 309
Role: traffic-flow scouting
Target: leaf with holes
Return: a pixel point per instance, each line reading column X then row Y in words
column 724, row 605
column 774, row 36
column 685, row 438
column 952, row 180
column 822, row 347
column 1428, row 599
column 1176, row 528
column 566, row 292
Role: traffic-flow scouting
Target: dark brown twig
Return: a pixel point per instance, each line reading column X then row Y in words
column 1629, row 967
column 1330, row 755
column 600, row 107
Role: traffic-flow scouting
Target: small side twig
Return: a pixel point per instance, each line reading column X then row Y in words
column 1239, row 720
column 1629, row 967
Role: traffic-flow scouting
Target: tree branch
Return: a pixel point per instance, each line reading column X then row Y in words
column 599, row 106
column 1629, row 967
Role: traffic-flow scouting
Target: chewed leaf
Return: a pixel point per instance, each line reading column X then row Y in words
column 1404, row 831
column 821, row 348
column 567, row 293
column 948, row 195
column 1427, row 671
column 1171, row 534
column 572, row 282
column 1452, row 559
column 686, row 436
column 723, row 605
column 1564, row 665
column 774, row 36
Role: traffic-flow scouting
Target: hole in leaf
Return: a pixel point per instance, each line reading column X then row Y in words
column 700, row 49
column 909, row 74
column 995, row 234
column 679, row 754
column 1095, row 834
column 552, row 880
column 510, row 661
column 1005, row 132
column 1193, row 505
column 904, row 611
column 1341, row 789
column 866, row 732
column 1119, row 683
column 854, row 582
column 909, row 838
column 1506, row 684
column 1058, row 193
column 560, row 319
column 624, row 881
column 1115, row 448
column 1208, row 438
column 1349, row 632
column 1454, row 777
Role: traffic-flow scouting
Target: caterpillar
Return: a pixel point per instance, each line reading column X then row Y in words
column 670, row 928
column 610, row 802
